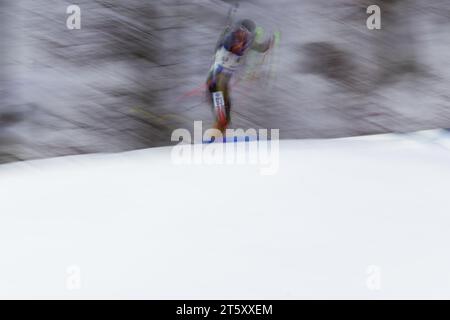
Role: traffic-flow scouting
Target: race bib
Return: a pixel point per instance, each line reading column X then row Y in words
column 227, row 60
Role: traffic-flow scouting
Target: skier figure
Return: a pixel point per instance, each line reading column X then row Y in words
column 233, row 45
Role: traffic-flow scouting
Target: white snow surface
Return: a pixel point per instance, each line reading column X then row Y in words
column 135, row 225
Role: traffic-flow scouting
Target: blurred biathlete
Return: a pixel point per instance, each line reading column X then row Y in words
column 233, row 45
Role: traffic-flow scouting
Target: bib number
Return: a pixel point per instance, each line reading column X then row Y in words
column 219, row 105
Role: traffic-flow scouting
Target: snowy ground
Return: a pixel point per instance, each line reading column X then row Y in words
column 121, row 82
column 362, row 217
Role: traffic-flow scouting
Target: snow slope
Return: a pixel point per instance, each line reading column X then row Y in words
column 349, row 218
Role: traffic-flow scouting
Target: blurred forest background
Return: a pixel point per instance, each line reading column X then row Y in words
column 136, row 70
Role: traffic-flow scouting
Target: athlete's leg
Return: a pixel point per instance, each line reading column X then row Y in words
column 221, row 84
